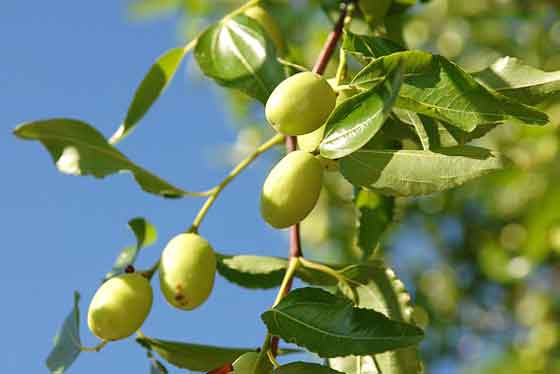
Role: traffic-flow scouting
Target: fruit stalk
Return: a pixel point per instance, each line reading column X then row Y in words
column 291, row 145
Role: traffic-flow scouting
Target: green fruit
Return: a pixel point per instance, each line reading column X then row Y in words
column 268, row 23
column 291, row 189
column 300, row 104
column 120, row 306
column 187, row 270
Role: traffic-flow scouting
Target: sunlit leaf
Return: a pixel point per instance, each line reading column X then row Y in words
column 304, row 368
column 79, row 149
column 438, row 88
column 67, row 342
column 375, row 214
column 411, row 172
column 366, row 47
column 330, row 326
column 237, row 53
column 151, row 87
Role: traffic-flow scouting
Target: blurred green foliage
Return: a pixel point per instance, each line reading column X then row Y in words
column 481, row 261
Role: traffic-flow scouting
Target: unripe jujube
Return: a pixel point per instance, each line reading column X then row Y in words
column 291, row 189
column 268, row 23
column 300, row 104
column 120, row 306
column 310, row 142
column 187, row 270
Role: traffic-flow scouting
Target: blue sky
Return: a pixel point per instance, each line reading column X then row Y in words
column 61, row 233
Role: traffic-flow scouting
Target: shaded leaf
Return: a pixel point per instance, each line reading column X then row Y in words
column 330, row 326
column 67, row 342
column 197, row 357
column 156, row 367
column 366, row 47
column 237, row 53
column 513, row 78
column 438, row 88
column 79, row 149
column 304, row 368
column 411, row 172
column 145, row 234
column 151, row 87
column 375, row 214
column 414, row 120
column 356, row 120
column 384, row 292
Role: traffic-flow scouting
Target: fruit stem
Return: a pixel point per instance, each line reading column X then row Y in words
column 275, row 140
column 324, row 269
column 97, row 348
column 291, row 145
column 293, row 264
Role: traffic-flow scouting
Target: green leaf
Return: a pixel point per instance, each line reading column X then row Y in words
column 414, row 120
column 513, row 78
column 444, row 135
column 330, row 326
column 67, row 342
column 266, row 272
column 151, row 87
column 438, row 88
column 374, row 10
column 79, row 149
column 156, row 367
column 304, row 368
column 375, row 214
column 145, row 234
column 366, row 47
column 197, row 357
column 384, row 292
column 412, row 173
column 252, row 271
column 356, row 120
column 237, row 53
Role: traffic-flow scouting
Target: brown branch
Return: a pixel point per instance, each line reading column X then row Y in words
column 291, row 141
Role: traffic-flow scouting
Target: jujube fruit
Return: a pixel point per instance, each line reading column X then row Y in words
column 187, row 270
column 120, row 306
column 291, row 189
column 268, row 23
column 300, row 104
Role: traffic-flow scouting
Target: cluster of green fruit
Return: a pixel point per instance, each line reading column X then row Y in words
column 299, row 106
column 186, row 272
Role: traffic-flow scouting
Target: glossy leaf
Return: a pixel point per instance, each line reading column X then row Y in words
column 304, row 368
column 237, row 53
column 151, row 87
column 438, row 88
column 197, row 357
column 356, row 120
column 252, row 271
column 384, row 292
column 145, row 234
column 79, row 149
column 374, row 215
column 411, row 172
column 513, row 78
column 67, row 342
column 330, row 326
column 366, row 47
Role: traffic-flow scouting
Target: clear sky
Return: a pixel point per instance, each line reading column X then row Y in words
column 83, row 59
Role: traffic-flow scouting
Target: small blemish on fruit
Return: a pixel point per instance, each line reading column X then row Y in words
column 129, row 269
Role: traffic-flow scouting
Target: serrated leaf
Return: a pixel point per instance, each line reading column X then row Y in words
column 304, row 368
column 197, row 357
column 79, row 149
column 67, row 342
column 383, row 292
column 330, row 326
column 237, row 53
column 412, row 173
column 513, row 78
column 438, row 88
column 145, row 233
column 356, row 120
column 151, row 87
column 366, row 47
column 375, row 214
